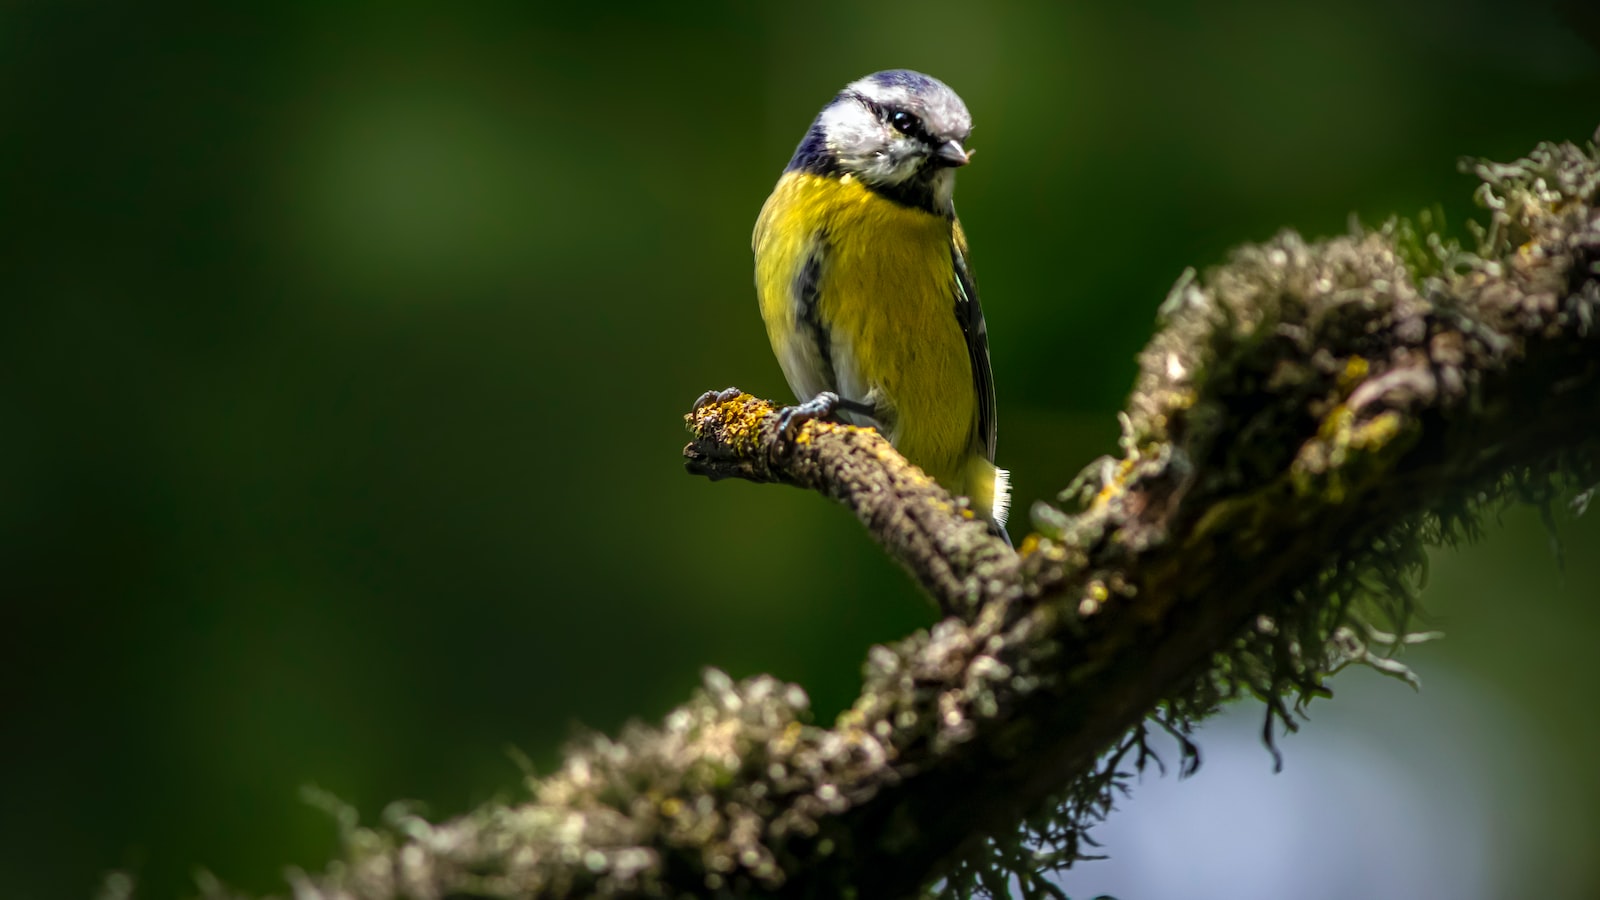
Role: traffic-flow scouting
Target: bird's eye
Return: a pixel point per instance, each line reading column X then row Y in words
column 903, row 121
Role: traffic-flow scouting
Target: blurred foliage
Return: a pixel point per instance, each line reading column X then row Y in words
column 345, row 349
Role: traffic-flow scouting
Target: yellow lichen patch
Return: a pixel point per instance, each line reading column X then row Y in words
column 1322, row 457
column 790, row 739
column 1316, row 471
column 1029, row 545
column 1119, row 478
column 1096, row 597
column 850, row 718
column 891, row 458
column 1176, row 401
column 1335, row 427
column 738, row 420
column 1378, row 433
column 1345, row 456
column 816, row 428
column 1355, row 371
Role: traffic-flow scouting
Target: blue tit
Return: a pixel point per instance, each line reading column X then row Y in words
column 861, row 270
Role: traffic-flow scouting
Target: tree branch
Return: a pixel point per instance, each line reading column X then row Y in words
column 1306, row 415
column 950, row 553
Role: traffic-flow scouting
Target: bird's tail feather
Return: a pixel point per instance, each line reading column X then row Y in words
column 989, row 492
column 1001, row 502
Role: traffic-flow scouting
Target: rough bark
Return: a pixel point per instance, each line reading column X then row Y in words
column 1306, row 409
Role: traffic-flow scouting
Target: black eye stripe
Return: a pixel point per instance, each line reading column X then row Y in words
column 915, row 127
column 920, row 131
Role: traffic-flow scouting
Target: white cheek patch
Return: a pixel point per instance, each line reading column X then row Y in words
column 851, row 128
column 899, row 161
column 866, row 146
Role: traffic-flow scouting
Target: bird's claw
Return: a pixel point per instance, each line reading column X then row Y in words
column 722, row 396
column 791, row 418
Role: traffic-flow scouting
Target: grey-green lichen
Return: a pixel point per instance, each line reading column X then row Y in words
column 1307, row 417
column 1294, row 385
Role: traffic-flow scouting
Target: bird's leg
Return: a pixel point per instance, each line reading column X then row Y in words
column 790, row 418
column 823, row 405
column 857, row 407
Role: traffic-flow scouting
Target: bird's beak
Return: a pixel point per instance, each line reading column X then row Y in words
column 951, row 153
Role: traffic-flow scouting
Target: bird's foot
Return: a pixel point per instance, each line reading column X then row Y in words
column 790, row 418
column 722, row 396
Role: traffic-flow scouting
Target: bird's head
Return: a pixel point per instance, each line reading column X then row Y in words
column 899, row 131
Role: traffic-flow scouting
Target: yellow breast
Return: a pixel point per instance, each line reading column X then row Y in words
column 887, row 301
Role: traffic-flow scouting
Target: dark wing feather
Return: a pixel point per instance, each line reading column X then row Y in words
column 807, row 290
column 970, row 314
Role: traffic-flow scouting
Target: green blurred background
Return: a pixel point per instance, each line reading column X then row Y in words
column 345, row 349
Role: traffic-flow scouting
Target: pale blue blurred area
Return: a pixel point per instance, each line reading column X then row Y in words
column 1476, row 786
column 1385, row 794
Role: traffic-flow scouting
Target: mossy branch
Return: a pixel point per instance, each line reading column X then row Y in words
column 949, row 552
column 1306, row 416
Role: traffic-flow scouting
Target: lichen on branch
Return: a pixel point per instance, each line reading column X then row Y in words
column 1306, row 417
column 948, row 551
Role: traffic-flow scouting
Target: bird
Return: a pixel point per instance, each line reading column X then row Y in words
column 864, row 285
